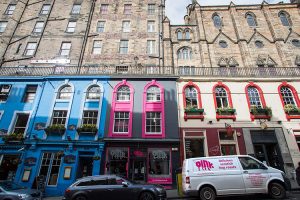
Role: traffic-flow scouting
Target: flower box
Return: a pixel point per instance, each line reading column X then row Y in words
column 261, row 111
column 225, row 111
column 194, row 111
column 13, row 138
column 55, row 130
column 87, row 129
column 291, row 109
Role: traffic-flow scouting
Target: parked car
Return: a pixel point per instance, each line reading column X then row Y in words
column 112, row 187
column 12, row 191
column 208, row 177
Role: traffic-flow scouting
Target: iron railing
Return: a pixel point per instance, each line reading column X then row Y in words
column 255, row 72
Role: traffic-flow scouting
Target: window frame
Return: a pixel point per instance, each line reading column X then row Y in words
column 101, row 29
column 62, row 49
column 27, row 93
column 16, row 118
column 76, row 9
column 126, row 26
column 251, row 19
column 286, row 21
column 154, row 94
column 99, row 48
column 123, row 94
column 151, row 47
column 38, row 30
column 61, row 94
column 151, row 26
column 9, row 11
column 217, row 21
column 124, row 47
column 94, row 118
column 225, row 142
column 151, row 9
column 124, row 119
column 71, row 29
column 45, row 11
column 60, row 118
column 127, row 9
column 3, row 25
column 104, row 9
column 6, row 94
column 33, row 50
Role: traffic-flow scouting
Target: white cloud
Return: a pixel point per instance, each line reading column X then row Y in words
column 176, row 9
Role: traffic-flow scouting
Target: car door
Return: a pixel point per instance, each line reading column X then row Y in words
column 94, row 188
column 255, row 175
column 119, row 191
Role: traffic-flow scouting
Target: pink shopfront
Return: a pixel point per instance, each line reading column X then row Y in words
column 141, row 164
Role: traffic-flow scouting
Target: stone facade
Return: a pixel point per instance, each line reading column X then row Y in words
column 277, row 41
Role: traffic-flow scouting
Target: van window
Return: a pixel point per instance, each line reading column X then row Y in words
column 249, row 163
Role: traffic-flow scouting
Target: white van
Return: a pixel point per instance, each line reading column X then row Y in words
column 208, row 177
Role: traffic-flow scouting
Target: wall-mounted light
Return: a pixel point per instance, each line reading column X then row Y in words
column 263, row 124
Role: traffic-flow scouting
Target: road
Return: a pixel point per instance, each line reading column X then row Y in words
column 294, row 195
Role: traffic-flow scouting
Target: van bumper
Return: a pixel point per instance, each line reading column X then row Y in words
column 191, row 193
column 287, row 184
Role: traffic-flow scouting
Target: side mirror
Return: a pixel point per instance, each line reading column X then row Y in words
column 125, row 184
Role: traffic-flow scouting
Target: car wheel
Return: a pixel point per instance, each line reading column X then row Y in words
column 80, row 197
column 277, row 191
column 146, row 196
column 207, row 193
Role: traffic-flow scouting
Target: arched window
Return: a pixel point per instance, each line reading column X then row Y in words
column 187, row 34
column 285, row 19
column 254, row 97
column 179, row 35
column 123, row 93
column 184, row 53
column 217, row 21
column 191, row 97
column 251, row 19
column 65, row 92
column 153, row 94
column 221, row 97
column 287, row 96
column 93, row 92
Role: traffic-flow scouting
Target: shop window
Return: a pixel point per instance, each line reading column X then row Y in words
column 123, row 93
column 90, row 117
column 153, row 94
column 159, row 162
column 65, row 92
column 30, row 93
column 121, row 122
column 50, row 167
column 4, row 92
column 117, row 161
column 59, row 117
column 298, row 141
column 20, row 123
column 8, row 166
column 194, row 147
column 93, row 93
column 227, row 143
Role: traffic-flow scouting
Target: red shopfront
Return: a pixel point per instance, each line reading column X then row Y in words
column 141, row 164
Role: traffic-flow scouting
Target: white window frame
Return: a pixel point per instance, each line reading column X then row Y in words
column 254, row 97
column 71, row 27
column 123, row 94
column 100, row 29
column 27, row 91
column 151, row 47
column 45, row 9
column 60, row 110
column 97, row 49
column 151, row 9
column 29, row 50
column 10, row 9
column 221, row 97
column 124, row 47
column 104, row 9
column 154, row 95
column 204, row 138
column 127, row 11
column 151, row 26
column 287, row 95
column 76, row 8
column 39, row 26
column 229, row 142
column 90, row 118
column 126, row 26
column 14, row 121
column 153, row 126
column 65, row 48
column 121, row 119
column 3, row 25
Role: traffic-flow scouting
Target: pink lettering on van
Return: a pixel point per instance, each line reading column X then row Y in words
column 204, row 164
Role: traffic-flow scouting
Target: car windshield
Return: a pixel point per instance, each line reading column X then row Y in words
column 9, row 186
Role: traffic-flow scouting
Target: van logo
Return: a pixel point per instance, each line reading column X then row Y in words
column 204, row 164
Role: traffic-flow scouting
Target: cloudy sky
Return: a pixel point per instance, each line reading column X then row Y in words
column 176, row 9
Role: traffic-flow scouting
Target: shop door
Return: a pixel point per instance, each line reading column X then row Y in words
column 268, row 154
column 85, row 166
column 8, row 166
column 138, row 170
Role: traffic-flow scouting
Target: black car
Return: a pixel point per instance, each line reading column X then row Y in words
column 112, row 187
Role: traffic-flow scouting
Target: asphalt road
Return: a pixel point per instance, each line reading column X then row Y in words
column 294, row 195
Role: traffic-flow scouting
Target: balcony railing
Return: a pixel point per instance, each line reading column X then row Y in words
column 254, row 72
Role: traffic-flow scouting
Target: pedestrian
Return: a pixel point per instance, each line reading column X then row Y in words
column 298, row 174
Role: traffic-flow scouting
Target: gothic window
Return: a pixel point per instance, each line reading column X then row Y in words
column 221, row 97
column 217, row 21
column 187, row 34
column 179, row 35
column 185, row 53
column 285, row 18
column 251, row 19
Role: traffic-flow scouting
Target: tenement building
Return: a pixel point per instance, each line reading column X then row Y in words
column 111, row 87
column 238, row 85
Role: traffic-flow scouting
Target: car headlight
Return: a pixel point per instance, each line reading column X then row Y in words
column 23, row 196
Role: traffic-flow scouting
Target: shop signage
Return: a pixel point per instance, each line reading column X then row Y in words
column 138, row 154
column 30, row 161
column 69, row 159
column 117, row 154
column 159, row 155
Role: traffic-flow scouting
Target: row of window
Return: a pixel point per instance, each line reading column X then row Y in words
column 126, row 26
column 28, row 96
column 223, row 97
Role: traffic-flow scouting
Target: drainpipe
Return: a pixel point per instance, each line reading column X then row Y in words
column 87, row 31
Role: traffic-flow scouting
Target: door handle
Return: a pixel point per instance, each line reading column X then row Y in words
column 245, row 172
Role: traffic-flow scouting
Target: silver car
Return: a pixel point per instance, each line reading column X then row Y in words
column 12, row 191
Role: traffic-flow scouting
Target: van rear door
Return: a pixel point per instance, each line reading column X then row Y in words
column 255, row 175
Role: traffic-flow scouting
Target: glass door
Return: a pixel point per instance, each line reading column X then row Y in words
column 138, row 169
column 268, row 154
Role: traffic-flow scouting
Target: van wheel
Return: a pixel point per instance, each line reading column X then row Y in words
column 277, row 191
column 207, row 193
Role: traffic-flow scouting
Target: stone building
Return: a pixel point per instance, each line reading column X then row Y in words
column 238, row 68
